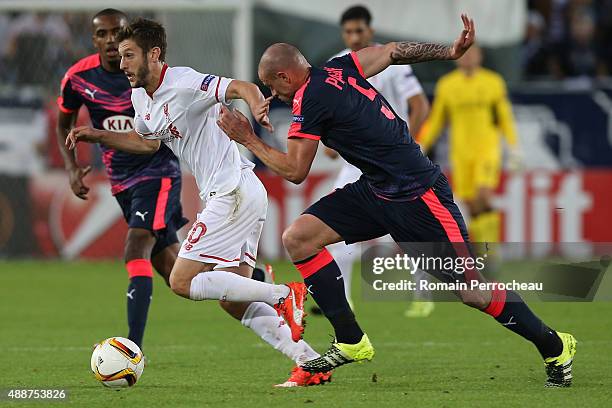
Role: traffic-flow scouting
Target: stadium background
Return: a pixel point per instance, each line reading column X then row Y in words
column 563, row 111
column 62, row 282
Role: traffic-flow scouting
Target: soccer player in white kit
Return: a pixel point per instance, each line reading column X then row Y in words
column 402, row 90
column 179, row 107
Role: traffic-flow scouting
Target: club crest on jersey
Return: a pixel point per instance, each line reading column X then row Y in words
column 118, row 123
column 174, row 131
column 166, row 135
column 207, row 80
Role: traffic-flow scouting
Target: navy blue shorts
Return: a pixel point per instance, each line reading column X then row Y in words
column 430, row 225
column 154, row 205
column 357, row 214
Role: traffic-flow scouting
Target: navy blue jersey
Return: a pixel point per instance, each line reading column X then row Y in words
column 338, row 106
column 107, row 98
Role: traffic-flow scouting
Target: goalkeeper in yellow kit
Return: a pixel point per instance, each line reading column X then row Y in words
column 473, row 102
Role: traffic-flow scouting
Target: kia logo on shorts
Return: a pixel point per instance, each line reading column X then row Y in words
column 118, row 123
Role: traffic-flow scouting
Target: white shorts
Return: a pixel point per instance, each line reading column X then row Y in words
column 227, row 231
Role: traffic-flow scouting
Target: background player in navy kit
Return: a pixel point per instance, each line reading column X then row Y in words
column 401, row 192
column 146, row 187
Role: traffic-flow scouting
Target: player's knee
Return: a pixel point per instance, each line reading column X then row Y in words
column 179, row 284
column 174, row 282
column 291, row 239
column 297, row 243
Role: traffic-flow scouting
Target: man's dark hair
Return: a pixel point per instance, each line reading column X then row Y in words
column 356, row 13
column 110, row 12
column 147, row 34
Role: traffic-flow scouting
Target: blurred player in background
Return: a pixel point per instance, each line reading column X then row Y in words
column 177, row 108
column 146, row 187
column 402, row 90
column 473, row 102
column 401, row 192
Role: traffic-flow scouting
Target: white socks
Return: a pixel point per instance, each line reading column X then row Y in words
column 228, row 286
column 264, row 321
column 345, row 256
column 259, row 316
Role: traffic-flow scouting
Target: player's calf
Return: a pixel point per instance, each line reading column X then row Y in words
column 139, row 292
column 509, row 309
column 138, row 246
column 234, row 309
column 478, row 299
column 305, row 240
column 237, row 309
column 196, row 281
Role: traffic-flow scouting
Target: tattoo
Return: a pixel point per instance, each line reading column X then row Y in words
column 407, row 52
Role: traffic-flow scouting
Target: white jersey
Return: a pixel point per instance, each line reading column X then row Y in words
column 183, row 114
column 397, row 84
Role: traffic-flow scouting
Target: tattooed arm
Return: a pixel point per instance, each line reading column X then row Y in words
column 375, row 59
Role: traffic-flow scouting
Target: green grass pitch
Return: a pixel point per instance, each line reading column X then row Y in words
column 52, row 312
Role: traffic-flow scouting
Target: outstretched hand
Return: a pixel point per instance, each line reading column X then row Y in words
column 235, row 125
column 465, row 39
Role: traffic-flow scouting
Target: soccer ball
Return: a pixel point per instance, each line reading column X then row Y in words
column 117, row 362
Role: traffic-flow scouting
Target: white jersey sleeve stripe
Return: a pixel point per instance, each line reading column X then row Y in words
column 221, row 89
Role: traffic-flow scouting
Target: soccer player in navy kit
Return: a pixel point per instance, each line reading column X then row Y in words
column 147, row 187
column 401, row 192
